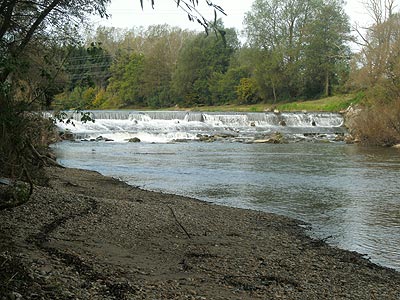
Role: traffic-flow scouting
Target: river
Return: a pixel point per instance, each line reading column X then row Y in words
column 348, row 193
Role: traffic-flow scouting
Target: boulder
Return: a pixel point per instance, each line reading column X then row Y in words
column 350, row 139
column 339, row 138
column 134, row 140
column 67, row 136
column 206, row 138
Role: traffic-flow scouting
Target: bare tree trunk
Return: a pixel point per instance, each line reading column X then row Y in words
column 274, row 91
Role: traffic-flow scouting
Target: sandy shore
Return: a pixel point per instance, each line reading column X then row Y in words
column 87, row 236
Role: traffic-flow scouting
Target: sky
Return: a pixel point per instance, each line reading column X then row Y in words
column 128, row 13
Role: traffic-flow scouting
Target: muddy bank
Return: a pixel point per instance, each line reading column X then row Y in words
column 87, row 236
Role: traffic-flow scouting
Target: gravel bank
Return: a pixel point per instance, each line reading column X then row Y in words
column 87, row 236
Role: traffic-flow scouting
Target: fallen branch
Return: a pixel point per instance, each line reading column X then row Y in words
column 180, row 225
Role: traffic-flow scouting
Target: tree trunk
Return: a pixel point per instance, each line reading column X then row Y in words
column 274, row 92
column 327, row 85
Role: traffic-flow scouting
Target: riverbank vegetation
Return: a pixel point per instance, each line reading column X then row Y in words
column 30, row 68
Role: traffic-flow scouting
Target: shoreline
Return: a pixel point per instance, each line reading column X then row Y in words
column 89, row 236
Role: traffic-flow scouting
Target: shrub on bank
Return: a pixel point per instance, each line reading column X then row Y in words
column 24, row 137
column 379, row 125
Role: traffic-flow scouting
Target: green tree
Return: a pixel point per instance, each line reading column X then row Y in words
column 126, row 84
column 293, row 41
column 162, row 45
column 247, row 91
column 223, row 86
column 198, row 61
column 87, row 66
column 326, row 51
column 276, row 29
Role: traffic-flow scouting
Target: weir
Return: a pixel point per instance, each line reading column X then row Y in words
column 307, row 119
column 167, row 126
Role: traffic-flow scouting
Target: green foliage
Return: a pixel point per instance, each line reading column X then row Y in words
column 200, row 60
column 88, row 66
column 299, row 47
column 126, row 83
column 26, row 26
column 247, row 91
column 326, row 54
column 223, row 86
column 162, row 66
column 78, row 98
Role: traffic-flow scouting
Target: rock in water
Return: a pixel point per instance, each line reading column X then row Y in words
column 134, row 140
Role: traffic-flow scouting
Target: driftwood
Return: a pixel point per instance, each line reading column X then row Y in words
column 179, row 223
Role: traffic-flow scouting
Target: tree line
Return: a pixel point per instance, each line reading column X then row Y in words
column 295, row 49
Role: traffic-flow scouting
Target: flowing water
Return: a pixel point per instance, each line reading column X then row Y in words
column 346, row 192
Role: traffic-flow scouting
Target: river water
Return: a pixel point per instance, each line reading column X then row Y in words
column 349, row 194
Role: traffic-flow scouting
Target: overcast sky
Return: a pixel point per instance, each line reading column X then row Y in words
column 128, row 13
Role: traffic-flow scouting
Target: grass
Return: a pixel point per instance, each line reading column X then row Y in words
column 329, row 104
column 226, row 108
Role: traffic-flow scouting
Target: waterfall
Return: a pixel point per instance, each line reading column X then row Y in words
column 226, row 119
column 167, row 126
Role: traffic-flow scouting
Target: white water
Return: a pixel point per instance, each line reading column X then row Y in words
column 165, row 127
